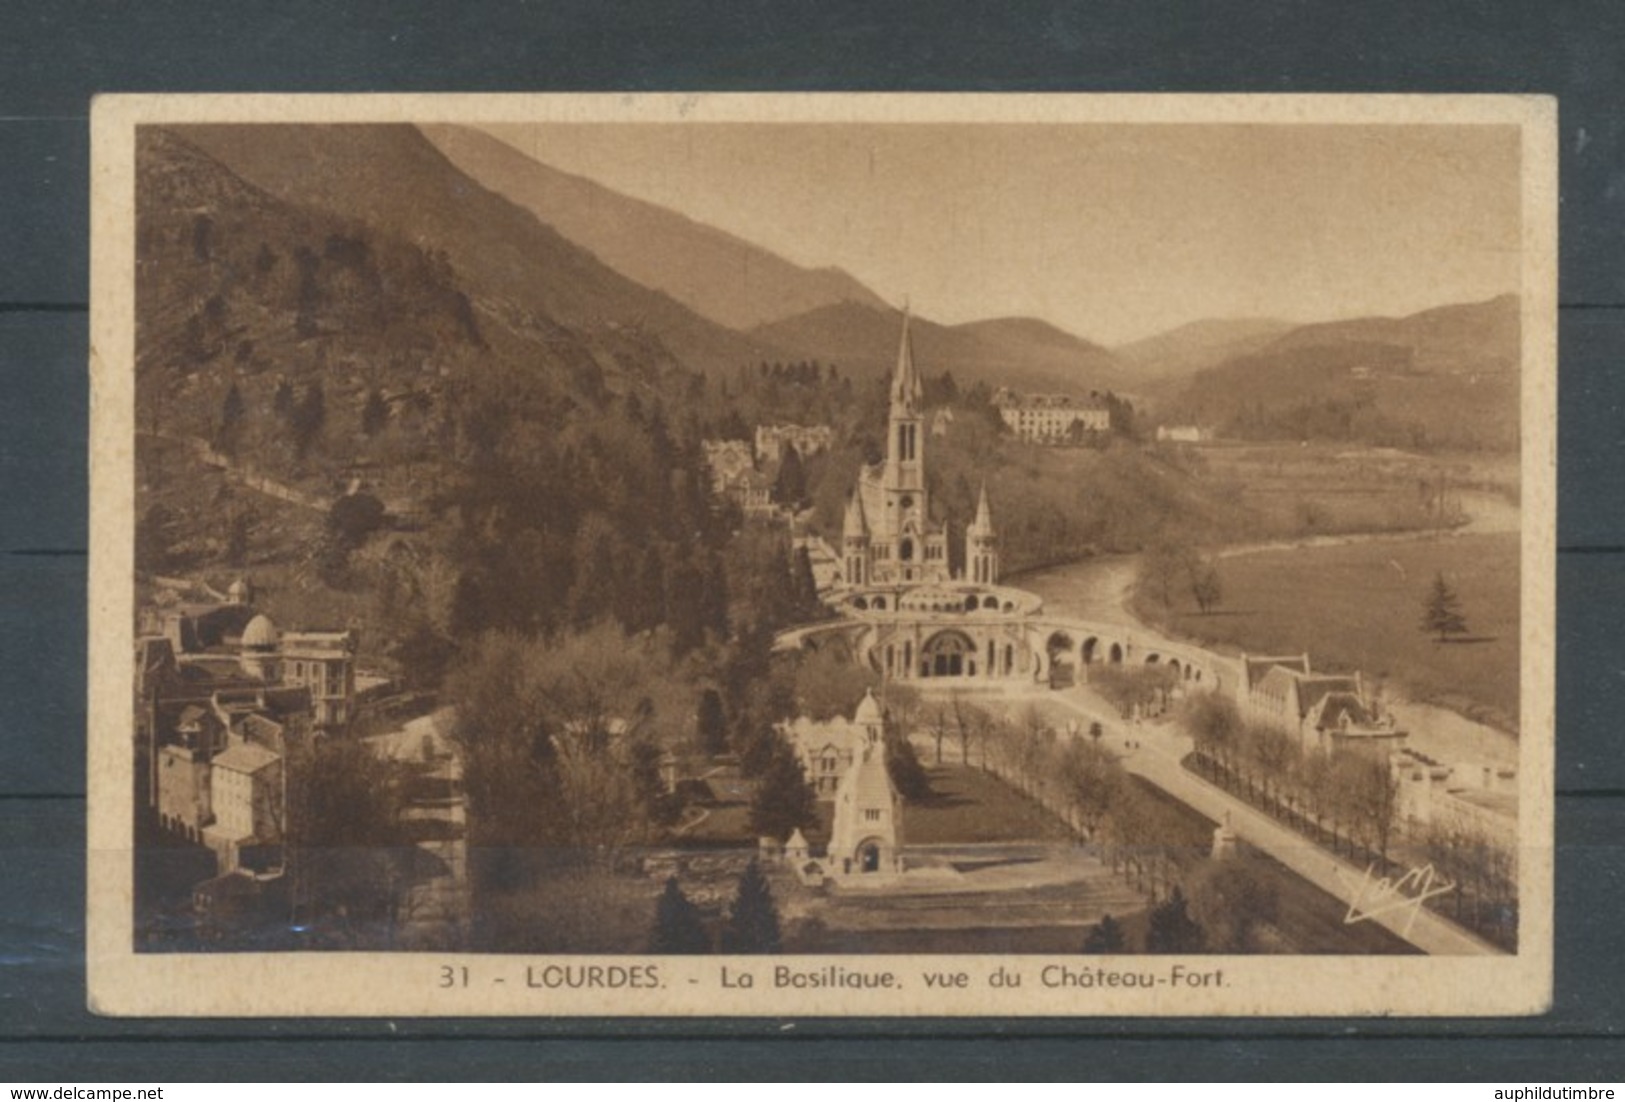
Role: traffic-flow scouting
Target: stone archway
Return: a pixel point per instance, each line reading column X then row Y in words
column 947, row 654
column 1087, row 653
column 1115, row 656
column 1058, row 649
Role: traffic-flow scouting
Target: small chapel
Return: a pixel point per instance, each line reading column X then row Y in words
column 867, row 833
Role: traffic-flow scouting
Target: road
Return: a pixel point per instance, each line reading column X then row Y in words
column 1161, row 747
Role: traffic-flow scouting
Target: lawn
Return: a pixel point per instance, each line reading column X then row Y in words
column 968, row 805
column 1359, row 607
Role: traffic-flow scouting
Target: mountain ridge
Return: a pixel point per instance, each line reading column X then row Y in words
column 393, row 177
column 717, row 274
column 1023, row 353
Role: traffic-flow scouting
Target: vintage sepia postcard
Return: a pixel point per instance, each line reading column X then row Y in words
column 629, row 555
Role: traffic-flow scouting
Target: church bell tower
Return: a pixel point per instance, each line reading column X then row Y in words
column 982, row 545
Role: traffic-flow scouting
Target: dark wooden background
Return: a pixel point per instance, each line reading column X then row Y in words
column 55, row 55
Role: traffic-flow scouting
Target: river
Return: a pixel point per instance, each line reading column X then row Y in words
column 1100, row 589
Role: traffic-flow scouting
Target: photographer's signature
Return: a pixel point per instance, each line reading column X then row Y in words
column 1374, row 896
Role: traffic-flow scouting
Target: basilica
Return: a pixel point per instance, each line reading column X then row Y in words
column 920, row 618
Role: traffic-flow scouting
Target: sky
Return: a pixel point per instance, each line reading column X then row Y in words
column 1112, row 232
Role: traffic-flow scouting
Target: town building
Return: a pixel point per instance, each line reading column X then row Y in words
column 223, row 699
column 1184, row 434
column 1324, row 711
column 826, row 749
column 808, row 440
column 734, row 476
column 1052, row 418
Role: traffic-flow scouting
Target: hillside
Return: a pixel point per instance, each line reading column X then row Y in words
column 238, row 286
column 1190, row 348
column 392, row 178
column 1020, row 352
column 715, row 274
column 1472, row 338
column 1442, row 378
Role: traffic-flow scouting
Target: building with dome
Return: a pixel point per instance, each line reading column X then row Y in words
column 846, row 760
column 867, row 835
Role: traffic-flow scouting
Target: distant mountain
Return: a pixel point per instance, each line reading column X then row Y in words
column 394, row 179
column 1446, row 377
column 1024, row 353
column 715, row 274
column 1190, row 348
column 1473, row 337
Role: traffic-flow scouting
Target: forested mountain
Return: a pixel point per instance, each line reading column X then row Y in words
column 1446, row 377
column 556, row 471
column 714, row 273
column 1020, row 352
column 394, row 179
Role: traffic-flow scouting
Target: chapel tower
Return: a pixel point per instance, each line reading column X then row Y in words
column 982, row 545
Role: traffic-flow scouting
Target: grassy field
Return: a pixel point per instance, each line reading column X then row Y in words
column 968, row 805
column 1359, row 607
column 1314, row 489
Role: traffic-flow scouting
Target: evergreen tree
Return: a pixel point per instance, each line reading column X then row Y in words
column 753, row 923
column 642, row 601
column 374, row 413
column 904, row 767
column 282, row 400
column 805, row 584
column 231, row 420
column 1171, row 928
column 1441, row 612
column 687, row 604
column 711, row 725
column 679, row 928
column 1106, row 937
column 308, row 419
column 790, row 486
column 783, row 800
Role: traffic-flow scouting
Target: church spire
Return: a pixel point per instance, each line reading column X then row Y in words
column 905, row 389
column 984, row 515
column 856, row 525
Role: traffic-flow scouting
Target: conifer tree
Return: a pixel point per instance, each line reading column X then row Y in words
column 790, row 487
column 1441, row 612
column 753, row 923
column 711, row 724
column 1172, row 929
column 1106, row 937
column 231, row 420
column 783, row 800
column 679, row 928
column 374, row 413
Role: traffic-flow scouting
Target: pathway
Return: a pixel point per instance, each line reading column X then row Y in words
column 1158, row 756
